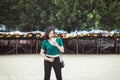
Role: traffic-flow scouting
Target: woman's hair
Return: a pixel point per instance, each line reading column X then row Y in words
column 48, row 30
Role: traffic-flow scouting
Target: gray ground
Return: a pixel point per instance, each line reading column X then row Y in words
column 78, row 67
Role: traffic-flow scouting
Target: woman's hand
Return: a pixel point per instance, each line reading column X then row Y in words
column 42, row 52
column 50, row 59
column 61, row 48
column 55, row 44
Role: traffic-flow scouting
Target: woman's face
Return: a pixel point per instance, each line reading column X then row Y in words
column 51, row 34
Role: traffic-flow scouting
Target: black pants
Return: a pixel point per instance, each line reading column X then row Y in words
column 56, row 66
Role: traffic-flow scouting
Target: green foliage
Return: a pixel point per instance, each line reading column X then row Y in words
column 30, row 15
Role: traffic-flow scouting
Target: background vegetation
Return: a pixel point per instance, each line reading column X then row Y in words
column 27, row 15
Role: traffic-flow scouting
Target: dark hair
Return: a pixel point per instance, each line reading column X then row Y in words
column 46, row 36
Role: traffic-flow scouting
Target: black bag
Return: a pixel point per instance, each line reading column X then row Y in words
column 62, row 64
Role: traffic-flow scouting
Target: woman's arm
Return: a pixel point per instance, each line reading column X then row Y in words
column 61, row 48
column 42, row 52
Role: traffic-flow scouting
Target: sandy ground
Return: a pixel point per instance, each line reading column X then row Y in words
column 77, row 67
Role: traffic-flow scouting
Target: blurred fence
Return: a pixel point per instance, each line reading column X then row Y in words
column 78, row 45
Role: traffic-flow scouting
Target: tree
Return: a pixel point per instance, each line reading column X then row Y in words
column 66, row 14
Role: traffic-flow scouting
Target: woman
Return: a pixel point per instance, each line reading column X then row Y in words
column 51, row 48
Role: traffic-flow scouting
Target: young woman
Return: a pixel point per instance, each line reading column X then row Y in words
column 51, row 48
